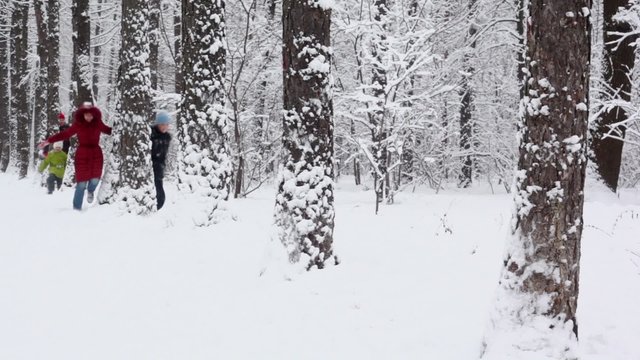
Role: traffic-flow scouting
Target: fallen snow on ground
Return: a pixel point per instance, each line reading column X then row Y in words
column 415, row 282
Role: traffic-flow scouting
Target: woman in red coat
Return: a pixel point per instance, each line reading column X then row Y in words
column 88, row 126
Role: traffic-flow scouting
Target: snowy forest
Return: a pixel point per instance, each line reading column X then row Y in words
column 345, row 179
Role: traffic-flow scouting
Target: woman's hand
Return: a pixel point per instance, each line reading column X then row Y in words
column 43, row 144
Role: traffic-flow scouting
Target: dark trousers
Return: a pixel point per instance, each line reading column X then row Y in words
column 53, row 182
column 158, row 175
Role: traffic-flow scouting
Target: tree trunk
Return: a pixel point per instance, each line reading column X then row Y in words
column 377, row 116
column 97, row 54
column 20, row 88
column 539, row 286
column 204, row 129
column 5, row 127
column 467, row 107
column 177, row 45
column 53, row 63
column 304, row 205
column 131, row 142
column 618, row 61
column 154, row 40
column 40, row 91
column 81, row 67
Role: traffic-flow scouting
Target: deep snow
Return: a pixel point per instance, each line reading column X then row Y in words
column 415, row 282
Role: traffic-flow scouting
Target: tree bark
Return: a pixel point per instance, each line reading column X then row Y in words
column 377, row 117
column 154, row 40
column 81, row 67
column 53, row 63
column 618, row 61
column 540, row 278
column 204, row 128
column 19, row 87
column 177, row 45
column 467, row 123
column 304, row 204
column 132, row 140
column 40, row 91
column 97, row 54
column 5, row 127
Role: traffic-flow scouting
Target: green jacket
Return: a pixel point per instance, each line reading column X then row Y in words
column 57, row 163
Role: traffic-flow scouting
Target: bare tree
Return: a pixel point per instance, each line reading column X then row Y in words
column 304, row 205
column 538, row 292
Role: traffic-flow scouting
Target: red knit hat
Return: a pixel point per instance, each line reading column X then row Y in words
column 61, row 116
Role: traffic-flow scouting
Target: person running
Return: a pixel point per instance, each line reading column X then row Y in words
column 160, row 140
column 62, row 126
column 56, row 161
column 87, row 126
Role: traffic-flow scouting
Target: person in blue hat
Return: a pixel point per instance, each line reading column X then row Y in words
column 160, row 141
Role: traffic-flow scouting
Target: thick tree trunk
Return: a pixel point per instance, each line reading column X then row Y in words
column 53, row 63
column 81, row 69
column 618, row 61
column 4, row 87
column 154, row 40
column 539, row 286
column 19, row 87
column 204, row 129
column 131, row 142
column 304, row 204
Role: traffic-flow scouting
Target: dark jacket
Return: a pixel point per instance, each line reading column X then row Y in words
column 159, row 149
column 88, row 160
column 66, row 144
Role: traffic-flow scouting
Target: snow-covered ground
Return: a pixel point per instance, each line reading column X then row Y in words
column 415, row 282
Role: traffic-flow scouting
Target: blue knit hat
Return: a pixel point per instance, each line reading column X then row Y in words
column 162, row 118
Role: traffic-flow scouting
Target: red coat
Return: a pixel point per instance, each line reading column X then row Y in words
column 88, row 160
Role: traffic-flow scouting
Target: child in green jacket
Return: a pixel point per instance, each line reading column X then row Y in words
column 56, row 160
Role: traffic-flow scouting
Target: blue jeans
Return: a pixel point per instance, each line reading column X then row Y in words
column 80, row 188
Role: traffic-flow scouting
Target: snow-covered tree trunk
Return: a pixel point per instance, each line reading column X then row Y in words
column 205, row 163
column 19, row 85
column 4, row 86
column 53, row 61
column 40, row 91
column 131, row 142
column 538, row 292
column 97, row 54
column 467, row 106
column 81, row 73
column 304, row 212
column 154, row 40
column 377, row 116
column 619, row 58
column 177, row 47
